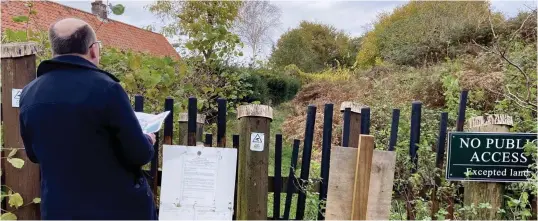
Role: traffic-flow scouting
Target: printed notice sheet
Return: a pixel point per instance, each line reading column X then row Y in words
column 151, row 123
column 197, row 183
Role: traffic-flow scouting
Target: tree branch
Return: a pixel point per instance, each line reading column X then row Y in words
column 521, row 26
column 509, row 95
column 527, row 78
column 502, row 55
column 491, row 25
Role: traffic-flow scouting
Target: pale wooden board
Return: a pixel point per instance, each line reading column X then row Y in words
column 342, row 181
column 381, row 181
column 362, row 177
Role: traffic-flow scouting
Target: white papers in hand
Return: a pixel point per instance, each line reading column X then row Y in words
column 151, row 123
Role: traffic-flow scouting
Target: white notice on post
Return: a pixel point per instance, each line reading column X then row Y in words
column 197, row 183
column 15, row 97
column 257, row 141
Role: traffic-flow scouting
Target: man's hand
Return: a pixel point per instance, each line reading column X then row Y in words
column 152, row 136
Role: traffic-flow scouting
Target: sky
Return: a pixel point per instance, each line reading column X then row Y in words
column 353, row 17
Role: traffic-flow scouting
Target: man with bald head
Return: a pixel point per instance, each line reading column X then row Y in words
column 77, row 123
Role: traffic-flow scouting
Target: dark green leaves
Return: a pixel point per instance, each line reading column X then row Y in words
column 207, row 25
column 20, row 18
column 117, row 9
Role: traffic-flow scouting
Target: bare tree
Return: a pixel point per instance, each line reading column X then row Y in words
column 255, row 22
column 523, row 99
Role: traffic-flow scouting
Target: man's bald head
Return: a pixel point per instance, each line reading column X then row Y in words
column 71, row 36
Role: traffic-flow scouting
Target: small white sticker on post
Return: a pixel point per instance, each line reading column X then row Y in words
column 257, row 141
column 15, row 97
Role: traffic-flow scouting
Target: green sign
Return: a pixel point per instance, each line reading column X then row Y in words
column 489, row 157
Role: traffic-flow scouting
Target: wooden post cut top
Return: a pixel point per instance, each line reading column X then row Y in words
column 355, row 107
column 184, row 117
column 19, row 49
column 255, row 110
column 493, row 119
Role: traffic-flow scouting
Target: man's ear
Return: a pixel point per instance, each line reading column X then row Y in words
column 93, row 51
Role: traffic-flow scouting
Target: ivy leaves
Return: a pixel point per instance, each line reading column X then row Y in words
column 36, row 200
column 8, row 216
column 16, row 162
column 15, row 200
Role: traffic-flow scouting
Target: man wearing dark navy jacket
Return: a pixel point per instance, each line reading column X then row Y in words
column 77, row 123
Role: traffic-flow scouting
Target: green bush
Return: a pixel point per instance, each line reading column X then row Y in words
column 294, row 85
column 282, row 88
column 271, row 87
column 259, row 89
column 423, row 32
column 313, row 47
column 157, row 78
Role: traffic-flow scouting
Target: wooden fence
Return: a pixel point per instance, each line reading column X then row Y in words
column 356, row 121
column 18, row 69
column 276, row 184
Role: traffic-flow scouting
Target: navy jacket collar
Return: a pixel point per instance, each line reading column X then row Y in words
column 69, row 61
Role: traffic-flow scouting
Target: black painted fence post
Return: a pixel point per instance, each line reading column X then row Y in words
column 440, row 153
column 139, row 103
column 277, row 181
column 365, row 120
column 221, row 122
column 415, row 133
column 413, row 147
column 347, row 127
column 292, row 181
column 169, row 121
column 192, row 117
column 208, row 140
column 307, row 153
column 235, row 144
column 394, row 129
column 459, row 127
column 325, row 157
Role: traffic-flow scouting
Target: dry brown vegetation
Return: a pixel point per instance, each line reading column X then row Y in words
column 384, row 88
column 374, row 88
